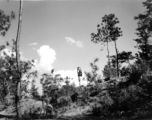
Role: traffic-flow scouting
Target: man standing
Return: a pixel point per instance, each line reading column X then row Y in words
column 79, row 71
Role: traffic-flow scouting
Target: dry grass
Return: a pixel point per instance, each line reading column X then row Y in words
column 74, row 110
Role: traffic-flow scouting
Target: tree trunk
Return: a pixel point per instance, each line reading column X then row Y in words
column 117, row 58
column 17, row 97
column 146, row 46
column 108, row 60
column 146, row 49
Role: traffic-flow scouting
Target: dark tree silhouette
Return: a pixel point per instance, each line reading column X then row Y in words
column 102, row 36
column 125, row 57
column 50, row 84
column 107, row 32
column 114, row 32
column 144, row 32
column 5, row 22
column 9, row 78
column 92, row 76
column 112, row 73
column 122, row 57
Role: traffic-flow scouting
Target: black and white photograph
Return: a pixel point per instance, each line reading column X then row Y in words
column 75, row 59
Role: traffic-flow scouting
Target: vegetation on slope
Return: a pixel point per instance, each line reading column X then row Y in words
column 124, row 92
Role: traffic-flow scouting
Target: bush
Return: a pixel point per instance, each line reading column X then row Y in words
column 31, row 108
column 64, row 101
column 119, row 101
column 96, row 109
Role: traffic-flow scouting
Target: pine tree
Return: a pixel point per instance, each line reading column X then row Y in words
column 144, row 32
column 107, row 32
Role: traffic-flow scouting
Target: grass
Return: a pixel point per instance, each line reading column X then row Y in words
column 75, row 111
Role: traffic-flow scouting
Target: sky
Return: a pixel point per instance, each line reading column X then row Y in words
column 57, row 34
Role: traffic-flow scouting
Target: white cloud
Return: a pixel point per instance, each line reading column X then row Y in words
column 47, row 58
column 79, row 44
column 31, row 44
column 73, row 76
column 72, row 41
column 22, row 57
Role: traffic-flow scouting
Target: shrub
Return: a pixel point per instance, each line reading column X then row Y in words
column 31, row 108
column 96, row 109
column 64, row 101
